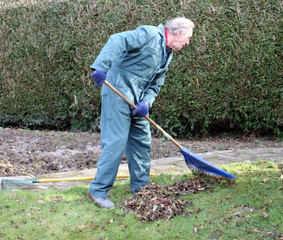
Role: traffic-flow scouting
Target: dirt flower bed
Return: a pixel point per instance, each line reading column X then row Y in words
column 27, row 152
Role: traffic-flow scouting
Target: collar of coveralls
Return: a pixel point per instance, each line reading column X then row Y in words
column 165, row 31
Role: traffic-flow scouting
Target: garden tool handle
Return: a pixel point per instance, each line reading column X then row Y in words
column 148, row 118
column 75, row 179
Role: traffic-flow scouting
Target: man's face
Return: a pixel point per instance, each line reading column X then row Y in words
column 181, row 40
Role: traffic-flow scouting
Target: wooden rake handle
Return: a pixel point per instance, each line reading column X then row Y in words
column 148, row 118
column 74, row 179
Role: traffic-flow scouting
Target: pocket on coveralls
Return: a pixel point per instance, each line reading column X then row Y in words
column 107, row 95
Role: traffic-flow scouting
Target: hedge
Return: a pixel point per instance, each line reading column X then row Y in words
column 228, row 79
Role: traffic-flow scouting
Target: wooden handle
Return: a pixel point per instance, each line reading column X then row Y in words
column 76, row 179
column 148, row 118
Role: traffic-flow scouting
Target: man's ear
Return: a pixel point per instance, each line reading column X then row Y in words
column 179, row 33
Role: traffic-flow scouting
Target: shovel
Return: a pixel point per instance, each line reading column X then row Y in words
column 193, row 161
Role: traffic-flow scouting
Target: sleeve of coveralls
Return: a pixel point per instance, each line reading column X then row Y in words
column 117, row 44
column 154, row 89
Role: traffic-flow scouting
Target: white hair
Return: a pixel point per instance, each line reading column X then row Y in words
column 180, row 23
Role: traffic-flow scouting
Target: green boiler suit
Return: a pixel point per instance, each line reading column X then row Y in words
column 135, row 62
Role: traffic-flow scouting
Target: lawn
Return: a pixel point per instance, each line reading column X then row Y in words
column 250, row 208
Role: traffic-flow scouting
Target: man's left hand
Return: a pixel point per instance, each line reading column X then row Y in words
column 141, row 110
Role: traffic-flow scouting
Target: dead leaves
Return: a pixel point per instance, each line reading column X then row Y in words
column 92, row 225
column 40, row 201
column 57, row 199
column 152, row 203
column 155, row 202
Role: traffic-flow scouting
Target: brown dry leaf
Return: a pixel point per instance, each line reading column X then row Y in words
column 34, row 208
column 40, row 201
column 53, row 209
column 57, row 199
column 82, row 227
column 265, row 215
column 265, row 180
column 92, row 225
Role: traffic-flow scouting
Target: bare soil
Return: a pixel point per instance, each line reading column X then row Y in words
column 34, row 152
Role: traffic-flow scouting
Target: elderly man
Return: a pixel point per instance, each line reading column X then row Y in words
column 135, row 62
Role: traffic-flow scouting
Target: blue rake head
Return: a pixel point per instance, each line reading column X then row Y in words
column 196, row 163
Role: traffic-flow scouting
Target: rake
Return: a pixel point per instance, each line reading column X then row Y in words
column 8, row 184
column 195, row 163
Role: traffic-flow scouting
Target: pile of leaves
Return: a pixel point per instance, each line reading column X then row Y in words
column 155, row 202
column 152, row 203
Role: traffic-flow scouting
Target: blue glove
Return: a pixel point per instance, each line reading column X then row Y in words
column 141, row 110
column 98, row 77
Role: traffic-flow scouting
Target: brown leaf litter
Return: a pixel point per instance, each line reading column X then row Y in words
column 161, row 202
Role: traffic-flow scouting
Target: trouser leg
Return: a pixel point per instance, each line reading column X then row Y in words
column 115, row 124
column 138, row 153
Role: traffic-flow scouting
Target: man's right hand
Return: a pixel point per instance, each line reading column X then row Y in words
column 98, row 77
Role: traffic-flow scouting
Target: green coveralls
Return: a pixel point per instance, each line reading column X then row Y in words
column 135, row 62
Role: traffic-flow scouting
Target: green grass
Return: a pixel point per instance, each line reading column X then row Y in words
column 251, row 208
